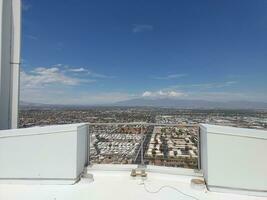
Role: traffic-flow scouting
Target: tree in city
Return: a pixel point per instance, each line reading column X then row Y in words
column 154, row 153
column 187, row 148
column 161, row 148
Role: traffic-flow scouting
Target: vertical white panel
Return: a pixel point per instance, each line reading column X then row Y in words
column 10, row 26
column 234, row 158
column 5, row 67
column 82, row 149
column 240, row 159
column 203, row 151
column 15, row 61
column 51, row 154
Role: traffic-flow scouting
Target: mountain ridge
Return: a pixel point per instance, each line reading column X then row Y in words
column 193, row 104
column 166, row 102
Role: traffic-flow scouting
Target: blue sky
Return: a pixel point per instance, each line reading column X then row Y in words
column 102, row 51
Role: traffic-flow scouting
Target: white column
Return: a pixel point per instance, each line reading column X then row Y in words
column 10, row 26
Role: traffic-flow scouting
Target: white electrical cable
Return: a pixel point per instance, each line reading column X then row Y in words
column 170, row 187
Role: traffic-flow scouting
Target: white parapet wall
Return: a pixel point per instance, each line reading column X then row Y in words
column 234, row 159
column 44, row 155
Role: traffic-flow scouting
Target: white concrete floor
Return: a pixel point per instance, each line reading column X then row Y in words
column 117, row 185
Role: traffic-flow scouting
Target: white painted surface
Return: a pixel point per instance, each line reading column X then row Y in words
column 203, row 151
column 148, row 168
column 233, row 131
column 15, row 62
column 234, row 158
column 39, row 130
column 117, row 185
column 43, row 153
column 10, row 25
column 82, row 149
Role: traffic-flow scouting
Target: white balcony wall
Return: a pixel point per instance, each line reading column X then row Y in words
column 43, row 154
column 234, row 158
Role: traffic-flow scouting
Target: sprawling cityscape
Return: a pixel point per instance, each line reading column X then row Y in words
column 143, row 135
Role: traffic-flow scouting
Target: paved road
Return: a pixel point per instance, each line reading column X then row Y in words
column 147, row 137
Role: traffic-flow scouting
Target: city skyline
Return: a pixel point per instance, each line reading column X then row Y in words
column 80, row 52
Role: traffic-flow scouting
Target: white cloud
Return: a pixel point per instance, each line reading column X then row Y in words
column 57, row 75
column 175, row 94
column 87, row 72
column 97, row 75
column 147, row 94
column 214, row 85
column 204, row 86
column 26, row 6
column 81, row 69
column 222, row 96
column 170, row 76
column 41, row 77
column 52, row 85
column 31, row 37
column 58, row 65
column 137, row 28
column 227, row 96
column 163, row 94
column 58, row 84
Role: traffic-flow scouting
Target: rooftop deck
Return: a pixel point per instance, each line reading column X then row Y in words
column 115, row 182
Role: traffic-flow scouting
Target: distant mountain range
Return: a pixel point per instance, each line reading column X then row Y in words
column 25, row 104
column 193, row 104
column 167, row 103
